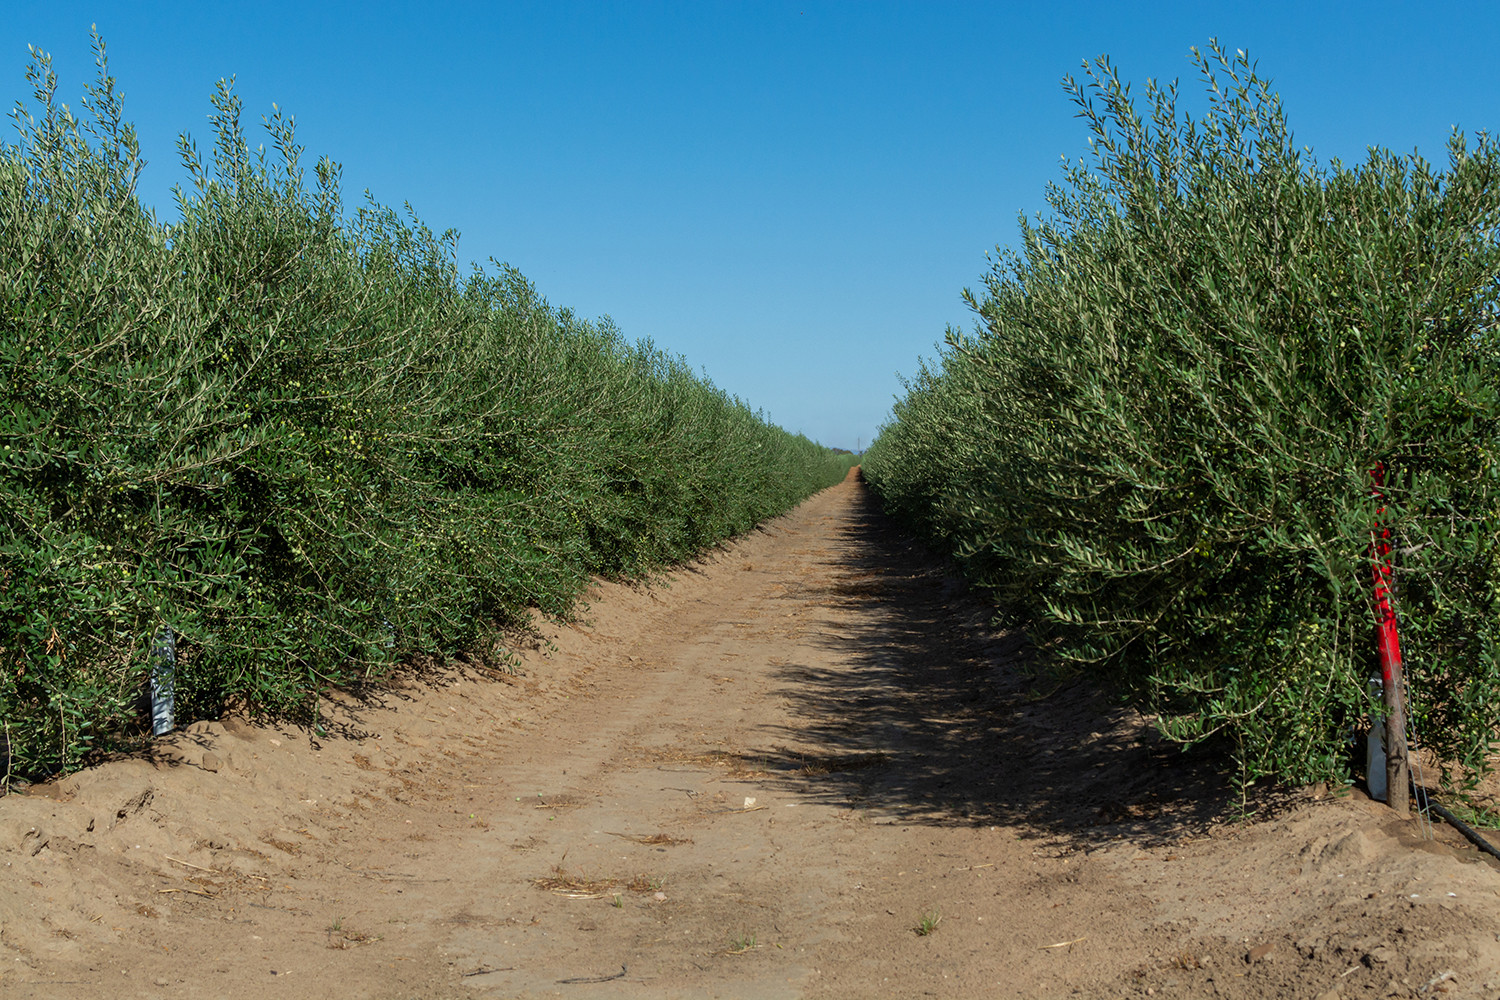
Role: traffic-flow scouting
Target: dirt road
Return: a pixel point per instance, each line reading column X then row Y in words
column 762, row 780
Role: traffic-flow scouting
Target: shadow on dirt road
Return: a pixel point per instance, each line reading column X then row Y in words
column 937, row 720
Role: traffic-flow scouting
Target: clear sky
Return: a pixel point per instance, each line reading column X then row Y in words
column 792, row 195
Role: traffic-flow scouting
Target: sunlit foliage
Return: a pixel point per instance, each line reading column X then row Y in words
column 1156, row 447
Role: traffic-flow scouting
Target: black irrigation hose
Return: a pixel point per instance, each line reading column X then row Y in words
column 1474, row 835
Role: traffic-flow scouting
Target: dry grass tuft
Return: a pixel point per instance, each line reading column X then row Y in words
column 559, row 801
column 655, row 840
column 736, row 764
column 576, row 886
column 351, row 939
column 835, row 763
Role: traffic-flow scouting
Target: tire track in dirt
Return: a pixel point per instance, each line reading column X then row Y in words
column 757, row 781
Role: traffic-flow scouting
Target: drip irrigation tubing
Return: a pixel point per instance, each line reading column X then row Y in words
column 1475, row 837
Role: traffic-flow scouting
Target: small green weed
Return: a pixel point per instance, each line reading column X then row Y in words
column 740, row 945
column 928, row 923
column 1476, row 814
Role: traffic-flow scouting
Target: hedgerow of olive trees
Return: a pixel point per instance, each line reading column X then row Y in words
column 298, row 438
column 1156, row 447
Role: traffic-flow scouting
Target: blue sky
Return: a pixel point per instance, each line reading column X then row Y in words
column 791, row 195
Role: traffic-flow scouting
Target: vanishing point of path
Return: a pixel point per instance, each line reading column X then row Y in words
column 762, row 780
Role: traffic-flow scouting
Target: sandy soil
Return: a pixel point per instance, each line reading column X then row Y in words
column 760, row 779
